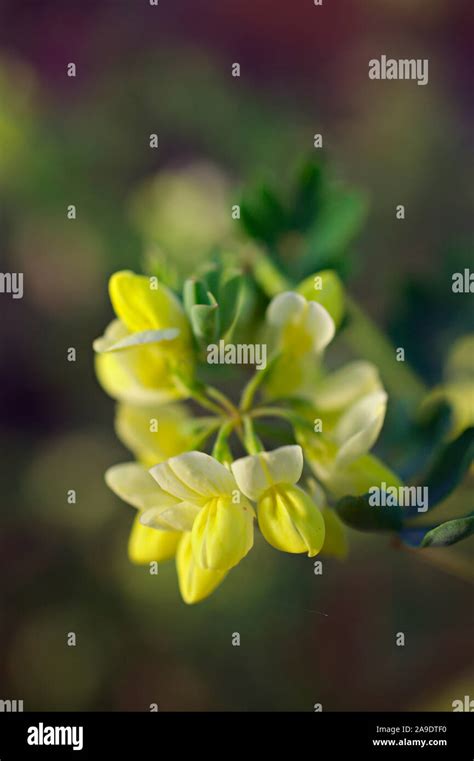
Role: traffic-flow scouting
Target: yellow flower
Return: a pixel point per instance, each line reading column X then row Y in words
column 193, row 505
column 191, row 492
column 142, row 304
column 132, row 483
column 300, row 330
column 146, row 345
column 155, row 541
column 153, row 433
column 288, row 518
column 209, row 504
column 301, row 326
column 336, row 391
column 339, row 454
column 134, row 427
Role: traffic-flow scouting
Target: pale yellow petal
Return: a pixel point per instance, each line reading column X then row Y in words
column 358, row 428
column 301, row 326
column 222, row 534
column 320, row 325
column 286, row 307
column 132, row 483
column 195, row 583
column 358, row 476
column 194, row 477
column 290, row 521
column 179, row 517
column 140, row 375
column 114, row 332
column 146, row 545
column 254, row 474
column 153, row 432
column 343, row 387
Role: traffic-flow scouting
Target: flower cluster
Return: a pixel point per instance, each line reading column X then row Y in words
column 202, row 508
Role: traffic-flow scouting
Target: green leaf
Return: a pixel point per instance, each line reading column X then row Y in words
column 262, row 215
column 449, row 467
column 250, row 221
column 450, row 532
column 229, row 298
column 220, row 286
column 357, row 513
column 269, row 277
column 418, row 435
column 339, row 221
column 212, row 277
column 194, row 292
column 205, row 322
column 308, row 197
column 312, row 228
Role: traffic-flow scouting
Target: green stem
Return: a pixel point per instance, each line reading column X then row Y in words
column 292, row 417
column 195, row 392
column 252, row 443
column 221, row 450
column 223, row 400
column 205, row 402
column 269, row 277
column 203, row 436
column 255, row 382
column 368, row 341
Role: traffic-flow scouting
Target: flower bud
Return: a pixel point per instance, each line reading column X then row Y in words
column 290, row 521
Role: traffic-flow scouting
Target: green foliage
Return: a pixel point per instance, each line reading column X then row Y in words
column 426, row 315
column 449, row 467
column 212, row 302
column 357, row 513
column 449, row 532
column 419, row 439
column 338, row 223
column 312, row 229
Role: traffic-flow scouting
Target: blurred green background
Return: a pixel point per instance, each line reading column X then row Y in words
column 305, row 639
